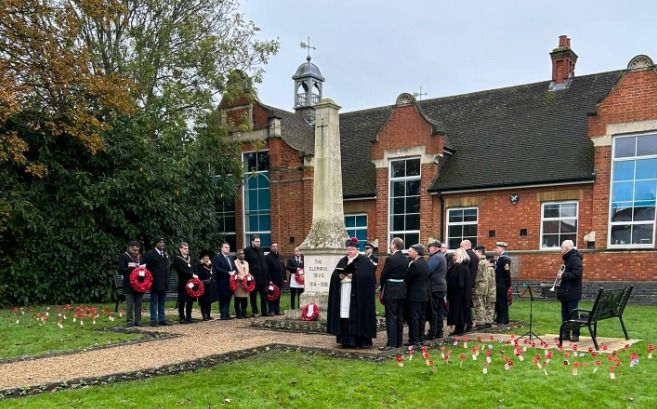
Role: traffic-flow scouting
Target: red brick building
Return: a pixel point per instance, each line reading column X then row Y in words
column 532, row 165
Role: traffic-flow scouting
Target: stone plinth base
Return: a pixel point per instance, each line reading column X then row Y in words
column 292, row 325
column 321, row 299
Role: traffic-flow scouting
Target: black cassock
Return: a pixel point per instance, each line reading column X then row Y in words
column 359, row 329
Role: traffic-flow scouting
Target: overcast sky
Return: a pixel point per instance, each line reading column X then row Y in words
column 371, row 51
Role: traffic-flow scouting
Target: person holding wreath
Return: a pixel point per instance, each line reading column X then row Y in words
column 351, row 315
column 204, row 272
column 240, row 291
column 295, row 268
column 128, row 261
column 183, row 265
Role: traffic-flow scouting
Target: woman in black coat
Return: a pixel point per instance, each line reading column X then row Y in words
column 458, row 285
column 204, row 272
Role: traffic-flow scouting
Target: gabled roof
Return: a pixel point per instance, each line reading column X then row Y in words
column 515, row 136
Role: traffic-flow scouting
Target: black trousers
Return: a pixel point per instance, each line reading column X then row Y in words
column 262, row 290
column 501, row 306
column 206, row 308
column 275, row 306
column 416, row 321
column 240, row 307
column 224, row 306
column 185, row 310
column 435, row 314
column 394, row 322
column 566, row 307
column 295, row 297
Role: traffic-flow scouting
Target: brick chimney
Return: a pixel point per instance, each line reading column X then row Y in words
column 563, row 64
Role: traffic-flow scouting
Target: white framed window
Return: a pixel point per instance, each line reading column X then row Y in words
column 256, row 197
column 226, row 221
column 357, row 227
column 558, row 223
column 633, row 191
column 404, row 203
column 462, row 224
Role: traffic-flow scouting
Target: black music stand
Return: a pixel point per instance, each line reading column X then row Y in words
column 529, row 292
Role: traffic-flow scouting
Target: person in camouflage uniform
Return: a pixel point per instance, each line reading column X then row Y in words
column 483, row 293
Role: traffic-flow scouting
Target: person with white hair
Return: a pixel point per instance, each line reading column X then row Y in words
column 459, row 284
column 570, row 290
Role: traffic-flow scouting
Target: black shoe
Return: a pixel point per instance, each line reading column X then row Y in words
column 182, row 321
column 574, row 338
column 386, row 348
column 455, row 334
column 130, row 324
column 138, row 324
column 164, row 323
column 468, row 328
column 154, row 324
column 489, row 325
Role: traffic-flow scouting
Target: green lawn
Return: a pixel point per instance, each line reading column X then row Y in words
column 285, row 379
column 294, row 380
column 30, row 337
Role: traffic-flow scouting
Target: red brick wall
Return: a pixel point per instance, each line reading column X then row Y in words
column 406, row 128
column 632, row 99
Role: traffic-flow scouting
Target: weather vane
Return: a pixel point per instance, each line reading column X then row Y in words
column 419, row 95
column 308, row 47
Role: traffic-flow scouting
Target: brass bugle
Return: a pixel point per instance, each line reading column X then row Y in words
column 557, row 280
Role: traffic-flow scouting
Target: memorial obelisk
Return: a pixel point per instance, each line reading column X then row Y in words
column 325, row 243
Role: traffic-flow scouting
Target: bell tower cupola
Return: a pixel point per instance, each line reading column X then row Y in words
column 308, row 82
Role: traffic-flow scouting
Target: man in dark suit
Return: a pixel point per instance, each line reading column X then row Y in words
column 393, row 293
column 224, row 268
column 158, row 263
column 255, row 256
column 417, row 285
column 275, row 275
column 295, row 265
column 128, row 261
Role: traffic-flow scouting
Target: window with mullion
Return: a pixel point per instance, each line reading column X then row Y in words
column 357, row 227
column 462, row 224
column 226, row 221
column 633, row 191
column 256, row 197
column 404, row 202
column 558, row 223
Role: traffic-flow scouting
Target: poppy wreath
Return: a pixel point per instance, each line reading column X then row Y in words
column 248, row 283
column 310, row 312
column 194, row 287
column 509, row 295
column 234, row 283
column 141, row 280
column 379, row 295
column 273, row 292
column 298, row 276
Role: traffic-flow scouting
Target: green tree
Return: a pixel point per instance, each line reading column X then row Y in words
column 156, row 164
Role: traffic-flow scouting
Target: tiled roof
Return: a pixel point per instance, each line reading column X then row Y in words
column 513, row 136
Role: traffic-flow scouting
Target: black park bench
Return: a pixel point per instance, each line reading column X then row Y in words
column 172, row 294
column 608, row 304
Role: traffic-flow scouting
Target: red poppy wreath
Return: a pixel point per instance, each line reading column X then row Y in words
column 194, row 287
column 310, row 312
column 141, row 280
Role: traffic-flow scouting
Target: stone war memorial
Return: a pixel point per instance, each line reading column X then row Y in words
column 553, row 184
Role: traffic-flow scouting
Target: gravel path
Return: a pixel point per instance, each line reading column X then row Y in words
column 198, row 340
